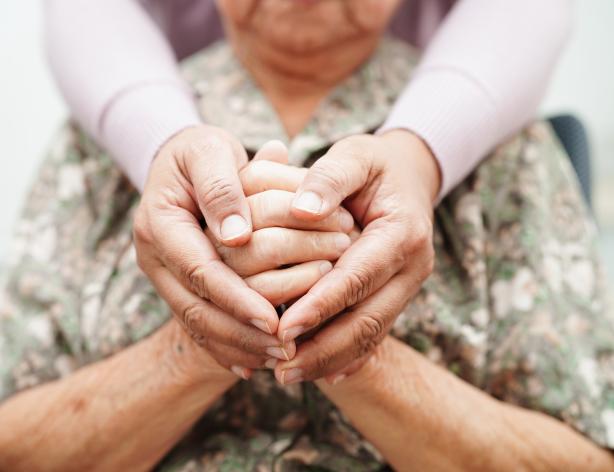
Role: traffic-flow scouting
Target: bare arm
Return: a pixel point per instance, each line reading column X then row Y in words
column 127, row 412
column 123, row 413
column 422, row 417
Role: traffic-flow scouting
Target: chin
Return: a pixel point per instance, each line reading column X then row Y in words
column 306, row 31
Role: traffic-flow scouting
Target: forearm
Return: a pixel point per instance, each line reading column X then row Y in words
column 421, row 417
column 481, row 78
column 119, row 76
column 123, row 413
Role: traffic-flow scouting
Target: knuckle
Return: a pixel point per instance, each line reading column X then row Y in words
column 205, row 144
column 141, row 261
column 423, row 233
column 259, row 283
column 141, row 228
column 318, row 243
column 353, row 147
column 322, row 360
column 358, row 285
column 219, row 194
column 418, row 241
column 265, row 207
column 414, row 236
column 196, row 276
column 242, row 340
column 429, row 265
column 257, row 169
column 420, row 233
column 275, row 246
column 142, row 237
column 321, row 311
column 226, row 253
column 194, row 323
column 252, row 176
column 331, row 174
column 222, row 360
column 274, row 288
column 250, row 361
column 358, row 148
column 368, row 331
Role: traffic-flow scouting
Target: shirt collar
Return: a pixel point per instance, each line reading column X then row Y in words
column 229, row 98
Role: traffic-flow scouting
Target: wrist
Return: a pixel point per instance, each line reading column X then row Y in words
column 191, row 143
column 188, row 365
column 374, row 376
column 195, row 138
column 416, row 152
column 141, row 119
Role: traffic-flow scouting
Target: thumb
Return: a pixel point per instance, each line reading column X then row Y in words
column 343, row 170
column 213, row 168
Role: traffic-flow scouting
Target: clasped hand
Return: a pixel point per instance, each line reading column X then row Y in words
column 223, row 285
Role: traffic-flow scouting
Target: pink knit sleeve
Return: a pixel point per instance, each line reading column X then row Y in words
column 481, row 78
column 119, row 77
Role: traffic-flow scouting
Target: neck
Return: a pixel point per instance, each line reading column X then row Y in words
column 294, row 82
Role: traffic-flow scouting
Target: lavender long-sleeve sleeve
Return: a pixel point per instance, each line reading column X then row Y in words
column 119, row 76
column 481, row 78
column 484, row 70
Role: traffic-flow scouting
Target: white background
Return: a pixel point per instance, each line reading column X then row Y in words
column 31, row 110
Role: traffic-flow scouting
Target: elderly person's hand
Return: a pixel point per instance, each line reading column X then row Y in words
column 195, row 176
column 389, row 184
column 286, row 255
column 279, row 239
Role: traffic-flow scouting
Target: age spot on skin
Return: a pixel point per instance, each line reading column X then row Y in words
column 78, row 405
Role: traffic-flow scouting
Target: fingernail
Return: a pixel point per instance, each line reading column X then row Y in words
column 291, row 376
column 278, row 352
column 342, row 242
column 262, row 325
column 337, row 379
column 270, row 363
column 325, row 267
column 289, row 348
column 292, row 333
column 309, row 202
column 274, row 145
column 239, row 372
column 233, row 227
column 346, row 221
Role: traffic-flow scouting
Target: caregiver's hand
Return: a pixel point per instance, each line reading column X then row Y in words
column 388, row 183
column 195, row 175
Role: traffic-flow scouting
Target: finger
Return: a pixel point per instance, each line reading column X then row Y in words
column 239, row 362
column 351, row 369
column 271, row 248
column 192, row 258
column 266, row 175
column 343, row 170
column 378, row 254
column 212, row 165
column 205, row 322
column 273, row 208
column 274, row 151
column 351, row 336
column 281, row 286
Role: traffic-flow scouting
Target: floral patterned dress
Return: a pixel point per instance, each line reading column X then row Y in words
column 515, row 305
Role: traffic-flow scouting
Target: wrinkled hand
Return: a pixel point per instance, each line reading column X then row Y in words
column 196, row 175
column 388, row 183
column 184, row 265
column 286, row 256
